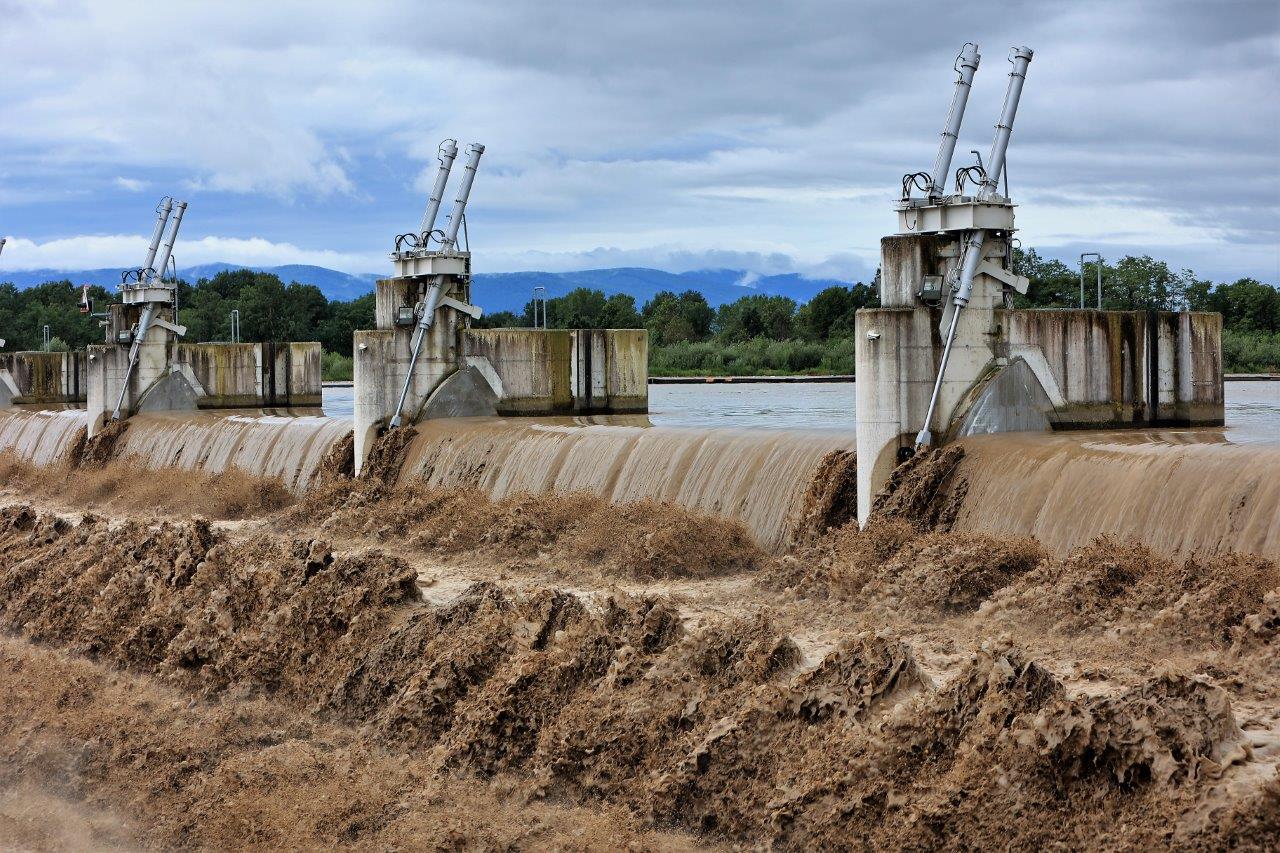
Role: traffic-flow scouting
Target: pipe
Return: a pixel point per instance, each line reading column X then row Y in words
column 167, row 248
column 464, row 191
column 1000, row 145
column 144, row 325
column 447, row 152
column 966, row 65
column 429, row 304
column 3, row 240
column 973, row 248
column 1084, row 255
column 162, row 219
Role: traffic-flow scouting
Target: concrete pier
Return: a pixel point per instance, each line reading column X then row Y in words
column 466, row 372
column 175, row 376
column 1014, row 370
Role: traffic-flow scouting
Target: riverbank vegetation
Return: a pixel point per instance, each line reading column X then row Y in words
column 758, row 334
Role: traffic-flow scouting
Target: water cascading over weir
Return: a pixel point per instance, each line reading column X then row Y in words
column 536, row 410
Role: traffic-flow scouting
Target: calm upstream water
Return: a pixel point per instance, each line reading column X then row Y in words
column 1253, row 408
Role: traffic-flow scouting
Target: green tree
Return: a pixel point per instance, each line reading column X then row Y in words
column 1053, row 284
column 672, row 319
column 264, row 316
column 756, row 316
column 499, row 320
column 341, row 320
column 830, row 313
column 587, row 308
column 56, row 304
column 1142, row 283
column 1245, row 305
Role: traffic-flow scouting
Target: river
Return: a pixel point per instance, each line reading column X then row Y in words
column 1253, row 408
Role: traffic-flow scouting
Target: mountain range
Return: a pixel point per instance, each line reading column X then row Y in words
column 496, row 291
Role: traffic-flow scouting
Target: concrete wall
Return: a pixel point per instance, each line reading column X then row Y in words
column 1106, row 372
column 530, row 370
column 179, row 376
column 259, row 375
column 610, row 370
column 42, row 378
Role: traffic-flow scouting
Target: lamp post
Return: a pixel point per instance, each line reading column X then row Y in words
column 1084, row 255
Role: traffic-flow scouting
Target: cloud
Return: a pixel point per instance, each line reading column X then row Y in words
column 130, row 184
column 128, row 250
column 664, row 131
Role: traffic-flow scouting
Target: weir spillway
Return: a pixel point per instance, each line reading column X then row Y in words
column 287, row 447
column 755, row 476
column 1180, row 492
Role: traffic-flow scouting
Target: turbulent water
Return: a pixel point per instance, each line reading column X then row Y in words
column 288, row 447
column 40, row 436
column 705, row 447
column 758, row 477
column 1179, row 492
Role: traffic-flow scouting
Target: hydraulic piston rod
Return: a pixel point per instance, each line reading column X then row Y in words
column 973, row 247
column 966, row 66
column 166, row 250
column 162, row 219
column 464, row 192
column 448, row 151
column 429, row 304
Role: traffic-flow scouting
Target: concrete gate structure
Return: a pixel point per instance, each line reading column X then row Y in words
column 945, row 355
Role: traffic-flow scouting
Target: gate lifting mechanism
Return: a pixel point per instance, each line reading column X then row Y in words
column 145, row 287
column 443, row 270
column 973, row 219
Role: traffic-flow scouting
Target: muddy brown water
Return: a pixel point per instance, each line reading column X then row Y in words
column 1179, row 492
column 755, row 476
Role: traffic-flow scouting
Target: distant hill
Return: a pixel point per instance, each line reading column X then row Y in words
column 496, row 291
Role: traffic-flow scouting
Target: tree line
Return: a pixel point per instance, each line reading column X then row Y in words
column 757, row 333
column 270, row 310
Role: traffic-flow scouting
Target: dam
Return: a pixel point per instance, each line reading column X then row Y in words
column 1075, row 422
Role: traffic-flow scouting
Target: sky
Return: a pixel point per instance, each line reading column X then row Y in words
column 763, row 136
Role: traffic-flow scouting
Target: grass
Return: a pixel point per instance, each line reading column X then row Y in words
column 335, row 367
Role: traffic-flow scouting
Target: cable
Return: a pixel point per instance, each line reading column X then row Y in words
column 976, row 173
column 922, row 181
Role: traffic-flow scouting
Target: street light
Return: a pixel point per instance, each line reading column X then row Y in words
column 1084, row 255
